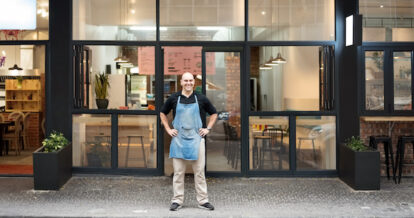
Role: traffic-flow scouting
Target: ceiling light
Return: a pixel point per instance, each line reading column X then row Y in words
column 264, row 67
column 263, row 12
column 15, row 67
column 133, row 11
column 270, row 62
column 279, row 59
column 381, row 6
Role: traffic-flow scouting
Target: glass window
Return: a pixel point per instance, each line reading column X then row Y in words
column 315, row 143
column 223, row 91
column 130, row 71
column 114, row 20
column 292, row 20
column 209, row 20
column 269, row 143
column 91, row 140
column 402, row 81
column 137, row 141
column 288, row 78
column 387, row 20
column 374, row 80
column 40, row 10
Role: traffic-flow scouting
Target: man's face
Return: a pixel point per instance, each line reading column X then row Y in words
column 187, row 82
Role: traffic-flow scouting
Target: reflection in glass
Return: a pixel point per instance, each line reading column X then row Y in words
column 114, row 20
column 202, row 20
column 387, row 20
column 137, row 141
column 315, row 143
column 293, row 85
column 131, row 74
column 269, row 143
column 292, row 20
column 223, row 145
column 91, row 140
column 41, row 31
column 374, row 80
column 402, row 81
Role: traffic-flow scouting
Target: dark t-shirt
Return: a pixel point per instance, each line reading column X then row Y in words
column 203, row 103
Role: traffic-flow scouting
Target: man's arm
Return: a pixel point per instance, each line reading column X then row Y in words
column 164, row 120
column 204, row 131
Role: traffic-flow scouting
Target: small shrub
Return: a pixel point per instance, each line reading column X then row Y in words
column 356, row 144
column 54, row 142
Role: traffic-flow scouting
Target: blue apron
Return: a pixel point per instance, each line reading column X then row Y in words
column 187, row 122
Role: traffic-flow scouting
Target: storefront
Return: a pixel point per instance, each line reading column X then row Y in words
column 276, row 68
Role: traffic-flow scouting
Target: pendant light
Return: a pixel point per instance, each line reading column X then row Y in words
column 265, row 66
column 279, row 59
column 15, row 67
column 120, row 57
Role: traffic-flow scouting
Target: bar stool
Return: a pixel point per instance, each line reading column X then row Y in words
column 402, row 140
column 274, row 145
column 130, row 137
column 374, row 141
column 256, row 158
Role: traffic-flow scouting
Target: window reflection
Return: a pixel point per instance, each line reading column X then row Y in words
column 137, row 141
column 315, row 143
column 402, row 81
column 389, row 20
column 374, row 79
column 130, row 71
column 291, row 20
column 302, row 82
column 91, row 140
column 114, row 20
column 269, row 143
column 202, row 20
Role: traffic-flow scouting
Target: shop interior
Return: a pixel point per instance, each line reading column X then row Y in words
column 22, row 105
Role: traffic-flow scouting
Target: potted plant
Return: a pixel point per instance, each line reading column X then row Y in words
column 359, row 165
column 101, row 90
column 52, row 163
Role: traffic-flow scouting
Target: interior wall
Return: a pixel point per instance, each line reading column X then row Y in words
column 301, row 78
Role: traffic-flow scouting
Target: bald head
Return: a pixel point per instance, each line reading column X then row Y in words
column 187, row 75
column 187, row 82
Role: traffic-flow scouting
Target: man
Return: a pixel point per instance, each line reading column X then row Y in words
column 188, row 144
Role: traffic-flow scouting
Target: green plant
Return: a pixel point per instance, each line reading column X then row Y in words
column 101, row 86
column 356, row 144
column 54, row 142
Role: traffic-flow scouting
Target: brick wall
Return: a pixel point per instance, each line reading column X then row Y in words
column 368, row 129
column 233, row 86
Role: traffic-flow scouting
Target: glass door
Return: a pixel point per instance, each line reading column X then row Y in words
column 222, row 85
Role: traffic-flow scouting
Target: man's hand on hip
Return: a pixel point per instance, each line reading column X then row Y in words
column 203, row 132
column 172, row 132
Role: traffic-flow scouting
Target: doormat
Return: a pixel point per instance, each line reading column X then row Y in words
column 16, row 169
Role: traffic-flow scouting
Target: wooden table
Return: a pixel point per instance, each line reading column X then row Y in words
column 391, row 121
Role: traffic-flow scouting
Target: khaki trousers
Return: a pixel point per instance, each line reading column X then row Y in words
column 179, row 166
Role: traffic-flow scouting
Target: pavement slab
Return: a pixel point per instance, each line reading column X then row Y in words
column 128, row 196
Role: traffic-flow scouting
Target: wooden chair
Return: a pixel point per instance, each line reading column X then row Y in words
column 13, row 137
column 25, row 132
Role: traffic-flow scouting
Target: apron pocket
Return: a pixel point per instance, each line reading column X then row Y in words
column 188, row 133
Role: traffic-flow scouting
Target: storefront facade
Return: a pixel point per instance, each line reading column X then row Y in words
column 270, row 67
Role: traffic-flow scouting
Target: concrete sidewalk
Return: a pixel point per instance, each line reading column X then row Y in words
column 106, row 196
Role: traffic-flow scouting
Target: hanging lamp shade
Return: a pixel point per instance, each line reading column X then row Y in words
column 15, row 67
column 279, row 59
column 121, row 59
column 270, row 62
column 264, row 67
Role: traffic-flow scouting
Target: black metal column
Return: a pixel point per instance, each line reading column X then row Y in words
column 58, row 81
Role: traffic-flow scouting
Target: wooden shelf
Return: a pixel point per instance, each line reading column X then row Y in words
column 23, row 96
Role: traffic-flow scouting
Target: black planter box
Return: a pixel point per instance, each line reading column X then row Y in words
column 52, row 170
column 359, row 169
